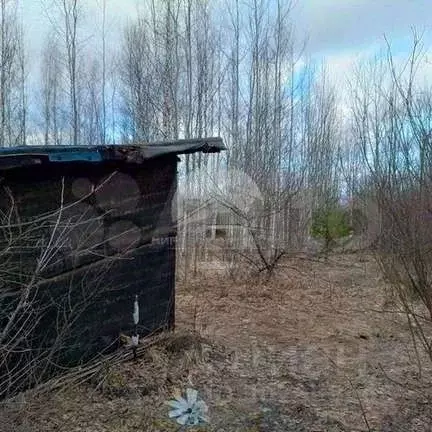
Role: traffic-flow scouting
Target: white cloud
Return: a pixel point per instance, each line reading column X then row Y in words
column 340, row 24
column 332, row 25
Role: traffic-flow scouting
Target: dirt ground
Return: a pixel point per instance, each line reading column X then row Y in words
column 320, row 347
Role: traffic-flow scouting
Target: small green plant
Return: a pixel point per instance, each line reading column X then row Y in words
column 330, row 224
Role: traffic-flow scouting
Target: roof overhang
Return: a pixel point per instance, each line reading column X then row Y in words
column 14, row 157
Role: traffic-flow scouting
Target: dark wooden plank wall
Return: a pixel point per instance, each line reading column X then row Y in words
column 116, row 242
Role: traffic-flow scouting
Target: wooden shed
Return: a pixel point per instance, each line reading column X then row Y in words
column 83, row 230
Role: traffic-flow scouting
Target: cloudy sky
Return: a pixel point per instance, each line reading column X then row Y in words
column 339, row 31
column 343, row 31
column 332, row 25
column 336, row 26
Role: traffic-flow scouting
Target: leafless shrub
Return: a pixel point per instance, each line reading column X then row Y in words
column 41, row 308
column 393, row 125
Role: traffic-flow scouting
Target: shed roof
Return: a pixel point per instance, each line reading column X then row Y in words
column 14, row 157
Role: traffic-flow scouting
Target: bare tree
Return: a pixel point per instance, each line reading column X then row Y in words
column 70, row 15
column 265, row 143
column 12, row 77
column 92, row 105
column 104, row 76
column 139, row 75
column 65, row 16
column 51, row 91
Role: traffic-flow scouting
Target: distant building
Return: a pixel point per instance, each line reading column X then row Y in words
column 221, row 217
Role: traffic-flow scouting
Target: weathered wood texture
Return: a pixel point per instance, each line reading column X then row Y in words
column 109, row 234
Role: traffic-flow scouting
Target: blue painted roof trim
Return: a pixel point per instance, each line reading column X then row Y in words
column 75, row 156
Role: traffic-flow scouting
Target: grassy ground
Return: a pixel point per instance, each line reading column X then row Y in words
column 318, row 348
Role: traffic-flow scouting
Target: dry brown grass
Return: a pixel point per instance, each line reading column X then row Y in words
column 322, row 334
column 320, row 347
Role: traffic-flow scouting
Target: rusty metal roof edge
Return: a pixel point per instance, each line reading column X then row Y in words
column 11, row 157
